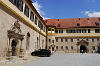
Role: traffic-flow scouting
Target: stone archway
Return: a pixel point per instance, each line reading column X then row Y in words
column 83, row 48
column 13, row 45
column 82, row 45
column 15, row 38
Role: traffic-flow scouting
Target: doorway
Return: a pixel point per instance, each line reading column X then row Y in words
column 14, row 43
column 83, row 49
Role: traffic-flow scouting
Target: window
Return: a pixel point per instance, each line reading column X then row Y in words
column 60, row 31
column 97, row 24
column 52, row 41
column 93, row 47
column 52, row 29
column 18, row 3
column 71, row 40
column 83, row 30
column 97, row 39
column 28, row 41
column 56, row 47
column 61, row 40
column 37, row 38
column 66, row 47
column 78, row 39
column 35, row 20
column 49, row 47
column 66, row 40
column 26, row 11
column 32, row 16
column 68, row 31
column 78, row 24
column 71, row 47
column 92, row 40
column 97, row 30
column 12, row 1
column 49, row 29
column 78, row 30
column 40, row 25
column 49, row 40
column 61, row 47
column 44, row 29
column 72, row 31
column 89, row 31
column 56, row 40
column 86, row 39
column 56, row 31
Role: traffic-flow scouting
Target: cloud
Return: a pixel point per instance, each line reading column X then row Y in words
column 46, row 18
column 38, row 7
column 92, row 14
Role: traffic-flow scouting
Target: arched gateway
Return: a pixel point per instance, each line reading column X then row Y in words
column 83, row 49
column 82, row 46
column 13, row 45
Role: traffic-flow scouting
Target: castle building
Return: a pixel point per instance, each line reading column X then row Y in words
column 73, row 35
column 22, row 29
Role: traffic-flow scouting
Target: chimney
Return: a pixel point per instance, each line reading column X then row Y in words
column 58, row 19
column 87, row 18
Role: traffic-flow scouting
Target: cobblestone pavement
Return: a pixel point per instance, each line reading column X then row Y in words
column 18, row 61
column 67, row 60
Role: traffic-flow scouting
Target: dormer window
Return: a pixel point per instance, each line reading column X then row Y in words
column 58, row 25
column 78, row 24
column 97, row 24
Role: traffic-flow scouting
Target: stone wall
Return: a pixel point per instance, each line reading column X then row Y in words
column 7, row 21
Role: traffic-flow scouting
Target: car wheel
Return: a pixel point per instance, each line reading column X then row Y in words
column 33, row 54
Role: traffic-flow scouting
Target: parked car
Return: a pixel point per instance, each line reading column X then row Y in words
column 42, row 52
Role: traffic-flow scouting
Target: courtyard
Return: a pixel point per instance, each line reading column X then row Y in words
column 71, row 59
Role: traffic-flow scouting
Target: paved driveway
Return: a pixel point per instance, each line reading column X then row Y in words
column 67, row 60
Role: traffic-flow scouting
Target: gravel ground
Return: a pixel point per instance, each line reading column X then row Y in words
column 67, row 60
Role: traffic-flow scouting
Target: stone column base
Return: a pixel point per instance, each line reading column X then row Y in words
column 21, row 53
column 9, row 53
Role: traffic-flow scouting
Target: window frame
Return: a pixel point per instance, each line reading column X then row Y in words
column 31, row 16
column 26, row 10
column 61, row 40
column 56, row 31
column 56, row 39
column 83, row 30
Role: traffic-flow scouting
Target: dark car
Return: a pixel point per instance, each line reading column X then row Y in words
column 42, row 52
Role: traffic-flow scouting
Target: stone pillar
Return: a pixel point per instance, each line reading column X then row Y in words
column 21, row 51
column 9, row 51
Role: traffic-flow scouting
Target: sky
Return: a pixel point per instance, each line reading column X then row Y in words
column 63, row 9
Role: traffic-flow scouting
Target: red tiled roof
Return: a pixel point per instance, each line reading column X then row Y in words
column 70, row 23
